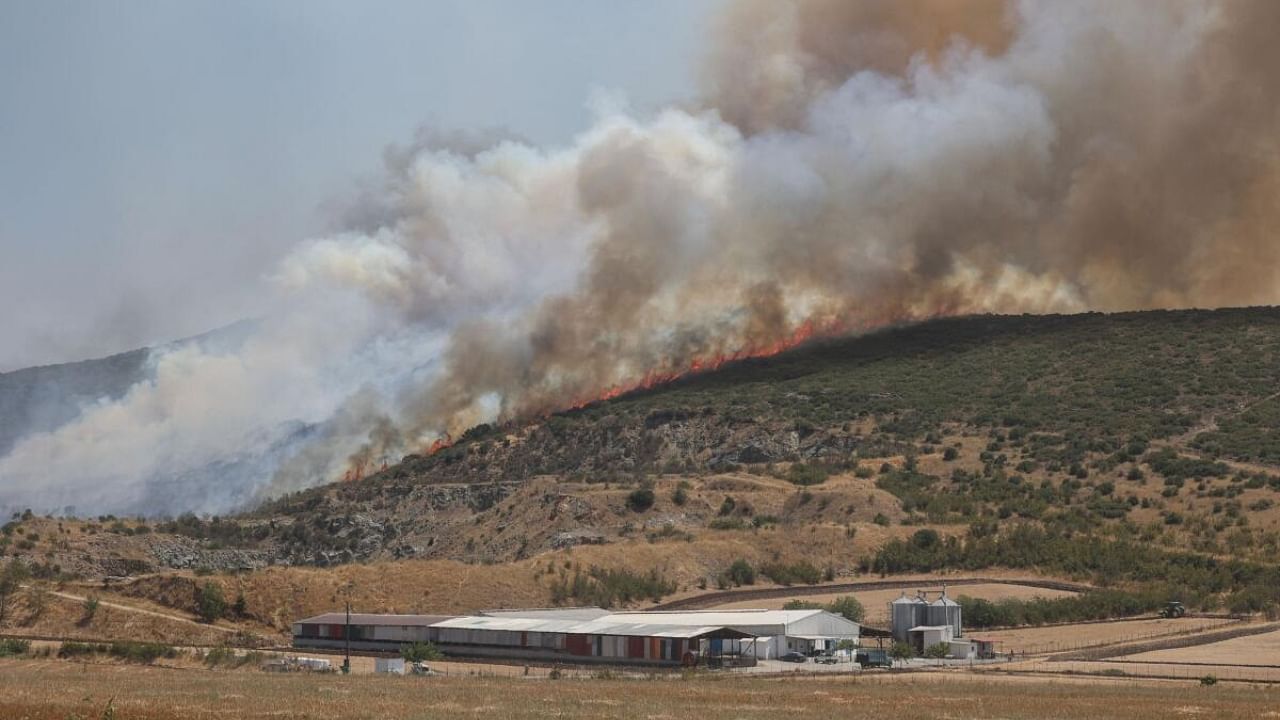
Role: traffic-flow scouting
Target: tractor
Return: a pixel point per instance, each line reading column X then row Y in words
column 1173, row 609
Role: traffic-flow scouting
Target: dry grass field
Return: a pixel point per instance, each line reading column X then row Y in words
column 1159, row 670
column 1250, row 650
column 877, row 602
column 1060, row 638
column 36, row 690
column 64, row 617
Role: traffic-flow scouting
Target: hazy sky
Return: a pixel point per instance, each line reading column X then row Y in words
column 156, row 157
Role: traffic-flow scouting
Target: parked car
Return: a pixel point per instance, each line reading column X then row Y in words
column 795, row 657
column 827, row 659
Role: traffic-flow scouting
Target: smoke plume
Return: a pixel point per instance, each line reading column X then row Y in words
column 851, row 165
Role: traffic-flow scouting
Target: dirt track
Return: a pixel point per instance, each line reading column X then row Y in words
column 143, row 611
column 713, row 599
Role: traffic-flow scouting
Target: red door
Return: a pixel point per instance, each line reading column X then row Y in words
column 578, row 644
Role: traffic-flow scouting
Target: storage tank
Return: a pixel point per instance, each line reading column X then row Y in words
column 945, row 611
column 904, row 614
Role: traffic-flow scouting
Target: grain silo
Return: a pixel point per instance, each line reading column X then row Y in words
column 906, row 613
column 945, row 611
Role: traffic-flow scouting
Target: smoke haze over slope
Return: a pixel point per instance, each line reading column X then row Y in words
column 851, row 165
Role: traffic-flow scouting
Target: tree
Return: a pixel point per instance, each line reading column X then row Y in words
column 90, row 609
column 901, row 651
column 11, row 579
column 847, row 644
column 210, row 603
column 741, row 572
column 420, row 652
column 640, row 499
column 38, row 599
column 937, row 651
column 726, row 507
column 681, row 494
column 848, row 607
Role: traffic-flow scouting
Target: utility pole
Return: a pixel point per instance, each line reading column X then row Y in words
column 346, row 663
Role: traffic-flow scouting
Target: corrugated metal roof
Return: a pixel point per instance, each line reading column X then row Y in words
column 576, row 613
column 338, row 618
column 923, row 628
column 601, row 626
column 719, row 617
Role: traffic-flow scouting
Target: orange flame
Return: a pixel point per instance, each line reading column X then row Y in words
column 440, row 444
column 355, row 473
column 803, row 333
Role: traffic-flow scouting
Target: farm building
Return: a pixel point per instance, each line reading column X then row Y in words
column 908, row 612
column 591, row 634
column 926, row 636
column 962, row 649
column 604, row 639
column 777, row 632
column 369, row 633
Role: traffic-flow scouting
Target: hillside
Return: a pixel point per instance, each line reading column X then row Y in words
column 1038, row 442
column 41, row 399
column 1163, row 422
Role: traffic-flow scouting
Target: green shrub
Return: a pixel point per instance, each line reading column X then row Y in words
column 848, row 607
column 937, row 651
column 210, row 603
column 90, row 605
column 607, row 588
column 802, row 572
column 681, row 494
column 13, row 646
column 741, row 573
column 219, row 656
column 420, row 652
column 72, row 649
column 141, row 652
column 640, row 499
column 808, row 473
column 901, row 651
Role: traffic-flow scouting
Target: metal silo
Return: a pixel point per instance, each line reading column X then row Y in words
column 904, row 614
column 945, row 611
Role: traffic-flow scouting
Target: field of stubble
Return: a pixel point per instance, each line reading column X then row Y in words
column 36, row 690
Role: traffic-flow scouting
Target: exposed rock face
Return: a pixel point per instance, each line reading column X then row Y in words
column 183, row 554
column 577, row 537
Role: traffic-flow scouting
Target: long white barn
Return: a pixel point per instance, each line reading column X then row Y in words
column 590, row 634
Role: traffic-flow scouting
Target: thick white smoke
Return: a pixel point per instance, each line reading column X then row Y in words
column 854, row 164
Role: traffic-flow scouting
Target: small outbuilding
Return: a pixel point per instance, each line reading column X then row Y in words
column 984, row 649
column 388, row 666
column 926, row 636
